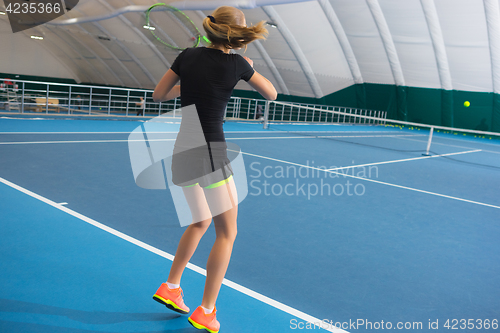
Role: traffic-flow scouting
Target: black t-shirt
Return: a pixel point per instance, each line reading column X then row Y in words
column 208, row 77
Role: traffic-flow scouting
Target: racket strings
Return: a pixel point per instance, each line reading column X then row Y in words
column 178, row 16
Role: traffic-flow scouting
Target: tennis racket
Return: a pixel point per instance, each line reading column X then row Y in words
column 171, row 27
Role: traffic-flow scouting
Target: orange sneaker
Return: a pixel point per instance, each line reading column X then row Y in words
column 201, row 321
column 171, row 298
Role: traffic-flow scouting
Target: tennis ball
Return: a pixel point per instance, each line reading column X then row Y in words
column 466, row 104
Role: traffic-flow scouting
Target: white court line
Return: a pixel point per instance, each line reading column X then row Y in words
column 404, row 160
column 455, row 146
column 367, row 136
column 235, row 132
column 103, row 141
column 321, row 137
column 82, row 141
column 249, row 138
column 230, row 284
column 129, row 132
column 78, row 132
column 273, row 159
column 457, row 139
column 339, row 132
column 374, row 181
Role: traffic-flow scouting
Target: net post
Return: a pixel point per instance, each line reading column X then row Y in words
column 90, row 101
column 47, row 101
column 255, row 112
column 266, row 114
column 109, row 101
column 69, row 99
column 22, row 100
column 429, row 142
column 128, row 99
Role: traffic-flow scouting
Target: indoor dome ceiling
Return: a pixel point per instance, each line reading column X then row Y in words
column 318, row 47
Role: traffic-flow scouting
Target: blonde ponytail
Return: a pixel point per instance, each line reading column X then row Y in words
column 229, row 29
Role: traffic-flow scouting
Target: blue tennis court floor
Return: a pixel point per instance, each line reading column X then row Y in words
column 358, row 229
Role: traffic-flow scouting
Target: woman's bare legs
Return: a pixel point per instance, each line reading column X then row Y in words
column 192, row 236
column 220, row 199
column 225, row 230
column 185, row 250
column 218, row 261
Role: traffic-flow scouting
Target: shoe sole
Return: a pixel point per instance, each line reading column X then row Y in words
column 169, row 304
column 200, row 327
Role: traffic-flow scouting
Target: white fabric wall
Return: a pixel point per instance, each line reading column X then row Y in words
column 450, row 45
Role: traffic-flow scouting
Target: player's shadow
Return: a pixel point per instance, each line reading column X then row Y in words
column 87, row 317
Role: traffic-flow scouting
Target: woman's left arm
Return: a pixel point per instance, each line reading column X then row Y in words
column 166, row 88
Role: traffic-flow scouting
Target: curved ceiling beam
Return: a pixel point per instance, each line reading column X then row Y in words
column 431, row 16
column 493, row 23
column 270, row 64
column 241, row 4
column 51, row 51
column 100, row 60
column 297, row 51
column 115, row 58
column 78, row 20
column 390, row 48
column 139, row 33
column 96, row 56
column 343, row 40
column 183, row 5
column 201, row 14
column 82, row 57
column 148, row 42
column 182, row 25
column 162, row 32
column 130, row 54
column 70, row 58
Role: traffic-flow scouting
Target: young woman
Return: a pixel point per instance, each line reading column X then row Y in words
column 208, row 76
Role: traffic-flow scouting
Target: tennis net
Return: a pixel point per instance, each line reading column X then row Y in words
column 374, row 131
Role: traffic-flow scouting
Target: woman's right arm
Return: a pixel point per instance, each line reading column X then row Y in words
column 261, row 84
column 166, row 88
